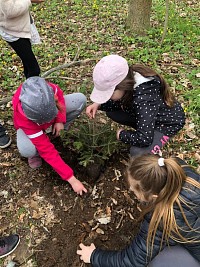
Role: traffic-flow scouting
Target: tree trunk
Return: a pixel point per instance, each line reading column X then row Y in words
column 139, row 12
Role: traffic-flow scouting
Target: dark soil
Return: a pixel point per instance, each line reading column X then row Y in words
column 52, row 220
column 78, row 223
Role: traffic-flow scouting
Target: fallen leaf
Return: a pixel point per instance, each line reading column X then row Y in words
column 34, row 204
column 37, row 214
column 197, row 156
column 114, row 201
column 100, row 231
column 117, row 188
column 4, row 193
column 181, row 156
column 104, row 220
column 21, row 217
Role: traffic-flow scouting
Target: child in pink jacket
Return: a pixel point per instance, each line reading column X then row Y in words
column 38, row 105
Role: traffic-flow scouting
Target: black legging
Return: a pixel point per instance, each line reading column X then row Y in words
column 23, row 49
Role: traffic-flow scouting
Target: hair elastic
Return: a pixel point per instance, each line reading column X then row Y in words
column 161, row 162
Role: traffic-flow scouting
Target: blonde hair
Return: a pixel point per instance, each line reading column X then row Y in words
column 166, row 182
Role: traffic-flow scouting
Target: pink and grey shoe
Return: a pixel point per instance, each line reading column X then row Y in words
column 35, row 162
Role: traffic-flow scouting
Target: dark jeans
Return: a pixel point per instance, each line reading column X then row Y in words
column 159, row 139
column 23, row 49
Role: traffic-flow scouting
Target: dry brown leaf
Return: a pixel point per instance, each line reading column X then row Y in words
column 117, row 188
column 36, row 215
column 166, row 58
column 21, row 217
column 114, row 201
column 34, row 204
column 100, row 231
column 108, row 211
column 197, row 156
column 181, row 156
column 6, row 164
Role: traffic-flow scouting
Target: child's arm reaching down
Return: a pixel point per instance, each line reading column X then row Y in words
column 49, row 153
column 77, row 186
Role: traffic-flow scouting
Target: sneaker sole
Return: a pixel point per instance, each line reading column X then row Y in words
column 10, row 141
column 11, row 250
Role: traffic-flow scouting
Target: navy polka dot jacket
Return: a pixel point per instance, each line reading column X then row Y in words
column 148, row 112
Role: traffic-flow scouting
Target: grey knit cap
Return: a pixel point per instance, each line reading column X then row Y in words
column 37, row 99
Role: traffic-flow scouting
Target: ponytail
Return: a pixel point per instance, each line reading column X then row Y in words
column 128, row 83
column 145, row 71
column 165, row 181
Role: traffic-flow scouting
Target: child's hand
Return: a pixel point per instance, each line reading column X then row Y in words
column 85, row 252
column 118, row 132
column 91, row 110
column 57, row 127
column 77, row 186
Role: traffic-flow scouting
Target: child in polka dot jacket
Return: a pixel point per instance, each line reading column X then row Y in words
column 138, row 97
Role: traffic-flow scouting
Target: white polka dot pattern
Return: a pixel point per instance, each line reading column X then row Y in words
column 150, row 113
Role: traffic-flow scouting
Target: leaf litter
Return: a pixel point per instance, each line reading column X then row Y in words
column 49, row 217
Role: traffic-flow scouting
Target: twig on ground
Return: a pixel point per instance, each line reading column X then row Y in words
column 66, row 65
column 77, row 54
column 60, row 67
column 6, row 164
column 177, row 65
column 25, row 261
column 61, row 77
column 166, row 20
column 120, row 221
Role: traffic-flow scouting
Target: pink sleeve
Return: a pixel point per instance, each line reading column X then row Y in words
column 48, row 152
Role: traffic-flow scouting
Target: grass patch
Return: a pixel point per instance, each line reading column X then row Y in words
column 98, row 28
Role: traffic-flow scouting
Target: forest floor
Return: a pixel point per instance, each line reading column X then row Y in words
column 52, row 220
column 49, row 217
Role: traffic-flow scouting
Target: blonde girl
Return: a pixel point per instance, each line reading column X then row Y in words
column 170, row 230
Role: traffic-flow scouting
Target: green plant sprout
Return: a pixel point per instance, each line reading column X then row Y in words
column 93, row 140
